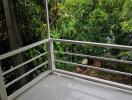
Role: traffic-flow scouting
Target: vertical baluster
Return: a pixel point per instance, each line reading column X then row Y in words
column 3, row 93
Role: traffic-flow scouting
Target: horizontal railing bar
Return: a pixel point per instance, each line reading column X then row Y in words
column 123, row 47
column 97, row 68
column 95, row 57
column 27, row 73
column 121, row 87
column 14, row 52
column 20, row 65
column 29, row 85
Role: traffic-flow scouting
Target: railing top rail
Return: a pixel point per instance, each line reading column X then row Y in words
column 14, row 52
column 123, row 47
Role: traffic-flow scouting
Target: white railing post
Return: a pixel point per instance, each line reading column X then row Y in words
column 51, row 62
column 3, row 93
column 47, row 18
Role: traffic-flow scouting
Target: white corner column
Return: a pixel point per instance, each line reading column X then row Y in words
column 51, row 62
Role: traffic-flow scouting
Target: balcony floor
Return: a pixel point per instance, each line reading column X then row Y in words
column 58, row 87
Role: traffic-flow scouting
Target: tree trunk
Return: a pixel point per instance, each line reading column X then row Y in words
column 14, row 37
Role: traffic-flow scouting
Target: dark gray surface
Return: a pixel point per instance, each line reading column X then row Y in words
column 55, row 87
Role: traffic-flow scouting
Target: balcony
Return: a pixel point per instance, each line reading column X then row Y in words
column 57, row 84
column 54, row 83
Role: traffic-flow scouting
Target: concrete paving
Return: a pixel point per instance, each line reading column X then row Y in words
column 55, row 87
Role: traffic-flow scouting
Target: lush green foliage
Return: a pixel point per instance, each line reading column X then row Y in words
column 30, row 18
column 32, row 27
column 107, row 21
column 93, row 20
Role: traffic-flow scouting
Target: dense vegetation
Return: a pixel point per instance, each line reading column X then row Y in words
column 81, row 18
column 30, row 19
column 105, row 21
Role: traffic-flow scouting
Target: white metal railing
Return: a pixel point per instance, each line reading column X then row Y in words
column 26, row 62
column 51, row 63
column 14, row 52
column 27, row 73
column 97, row 68
column 122, row 47
column 95, row 57
column 3, row 86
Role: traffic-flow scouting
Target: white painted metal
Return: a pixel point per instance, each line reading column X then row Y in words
column 95, row 57
column 14, row 52
column 120, row 86
column 3, row 94
column 58, row 87
column 47, row 18
column 123, row 47
column 20, row 65
column 51, row 59
column 27, row 73
column 93, row 67
column 50, row 43
column 29, row 85
column 51, row 55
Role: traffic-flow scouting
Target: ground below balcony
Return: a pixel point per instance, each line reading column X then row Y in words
column 58, row 87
